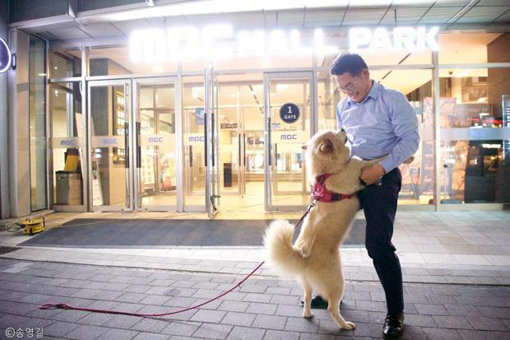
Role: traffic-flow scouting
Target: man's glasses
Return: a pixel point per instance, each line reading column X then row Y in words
column 350, row 86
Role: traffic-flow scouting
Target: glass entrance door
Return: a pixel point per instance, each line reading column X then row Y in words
column 157, row 154
column 109, row 130
column 288, row 111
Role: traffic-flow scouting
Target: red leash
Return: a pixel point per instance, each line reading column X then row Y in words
column 106, row 311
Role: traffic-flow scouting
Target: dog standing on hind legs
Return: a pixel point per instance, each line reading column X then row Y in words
column 315, row 257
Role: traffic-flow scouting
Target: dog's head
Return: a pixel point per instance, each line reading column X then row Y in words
column 326, row 152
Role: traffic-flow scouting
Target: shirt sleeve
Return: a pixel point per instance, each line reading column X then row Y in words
column 405, row 127
column 339, row 116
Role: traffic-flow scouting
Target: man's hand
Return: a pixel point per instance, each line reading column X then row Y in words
column 372, row 174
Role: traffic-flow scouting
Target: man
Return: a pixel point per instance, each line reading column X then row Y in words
column 378, row 122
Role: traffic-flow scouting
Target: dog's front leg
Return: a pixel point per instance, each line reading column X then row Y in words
column 307, row 299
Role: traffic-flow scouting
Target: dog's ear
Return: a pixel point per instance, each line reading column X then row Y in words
column 326, row 146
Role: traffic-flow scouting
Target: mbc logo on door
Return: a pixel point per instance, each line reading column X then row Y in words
column 155, row 139
column 292, row 136
column 109, row 141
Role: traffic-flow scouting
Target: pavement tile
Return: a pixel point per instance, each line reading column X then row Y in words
column 239, row 319
column 60, row 329
column 419, row 320
column 181, row 328
column 281, row 335
column 118, row 334
column 442, row 334
column 150, row 336
column 483, row 335
column 486, row 324
column 208, row 316
column 495, row 312
column 446, row 321
column 302, row 325
column 96, row 319
column 261, row 308
column 213, row 331
column 246, row 333
column 86, row 332
column 431, row 309
column 270, row 322
column 131, row 297
column 233, row 306
column 150, row 325
column 122, row 321
column 254, row 297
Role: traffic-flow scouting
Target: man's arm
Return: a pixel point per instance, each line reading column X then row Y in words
column 405, row 128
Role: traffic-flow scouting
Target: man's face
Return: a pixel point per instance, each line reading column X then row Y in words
column 356, row 87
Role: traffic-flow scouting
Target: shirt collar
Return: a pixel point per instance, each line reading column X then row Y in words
column 373, row 93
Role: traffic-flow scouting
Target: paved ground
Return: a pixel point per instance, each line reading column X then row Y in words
column 456, row 274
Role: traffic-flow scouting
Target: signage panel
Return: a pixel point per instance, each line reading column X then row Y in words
column 288, row 137
column 66, row 142
column 5, row 56
column 107, row 141
column 289, row 113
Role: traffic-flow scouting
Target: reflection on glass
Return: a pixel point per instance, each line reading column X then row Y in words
column 37, row 119
column 157, row 131
column 109, row 119
column 474, row 137
column 67, row 147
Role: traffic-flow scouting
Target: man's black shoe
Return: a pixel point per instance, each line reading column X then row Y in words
column 393, row 326
column 317, row 302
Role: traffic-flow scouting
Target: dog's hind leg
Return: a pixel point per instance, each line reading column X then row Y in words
column 307, row 299
column 333, row 309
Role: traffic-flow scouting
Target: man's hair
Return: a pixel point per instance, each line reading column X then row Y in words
column 351, row 63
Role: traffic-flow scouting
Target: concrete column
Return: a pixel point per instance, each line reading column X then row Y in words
column 18, row 122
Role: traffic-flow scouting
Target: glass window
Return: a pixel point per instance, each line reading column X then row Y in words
column 67, row 143
column 37, row 102
column 418, row 173
column 469, row 47
column 475, row 136
column 65, row 64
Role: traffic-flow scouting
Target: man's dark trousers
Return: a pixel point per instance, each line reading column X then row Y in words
column 380, row 205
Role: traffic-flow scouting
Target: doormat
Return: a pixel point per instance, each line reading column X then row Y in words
column 143, row 233
column 6, row 250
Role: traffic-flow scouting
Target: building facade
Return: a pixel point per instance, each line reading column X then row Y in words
column 203, row 106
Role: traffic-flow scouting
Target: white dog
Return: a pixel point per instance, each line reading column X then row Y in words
column 315, row 257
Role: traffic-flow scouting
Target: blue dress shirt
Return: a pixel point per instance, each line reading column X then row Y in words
column 384, row 123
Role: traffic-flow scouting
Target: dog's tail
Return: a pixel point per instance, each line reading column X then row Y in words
column 280, row 253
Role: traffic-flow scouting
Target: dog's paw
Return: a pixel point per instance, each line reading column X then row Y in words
column 349, row 325
column 309, row 316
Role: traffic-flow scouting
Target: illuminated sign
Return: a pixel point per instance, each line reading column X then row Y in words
column 289, row 113
column 5, row 56
column 219, row 42
column 399, row 39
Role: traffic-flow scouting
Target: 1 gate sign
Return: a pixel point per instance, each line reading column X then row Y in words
column 289, row 113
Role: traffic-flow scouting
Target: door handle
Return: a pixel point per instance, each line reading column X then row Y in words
column 126, row 145
column 213, row 144
column 139, row 146
column 244, row 149
column 239, row 149
column 205, row 137
column 190, row 156
column 269, row 140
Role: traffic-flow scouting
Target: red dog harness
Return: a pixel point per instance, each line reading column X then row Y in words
column 321, row 194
